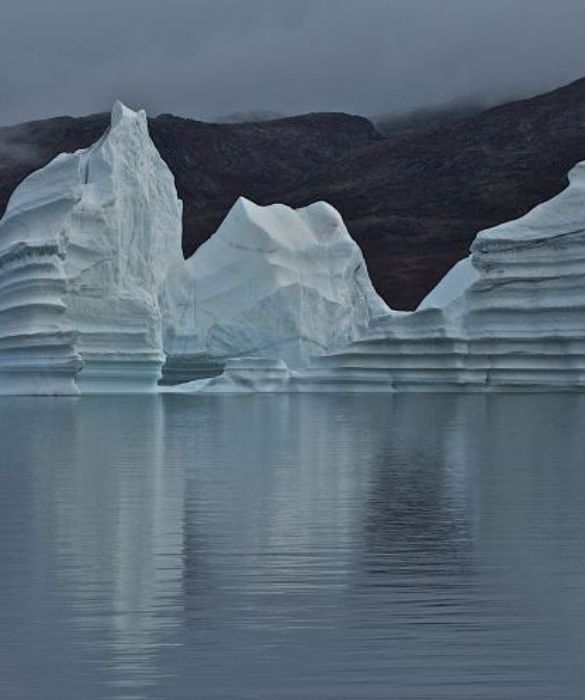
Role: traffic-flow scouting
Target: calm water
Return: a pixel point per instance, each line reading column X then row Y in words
column 292, row 547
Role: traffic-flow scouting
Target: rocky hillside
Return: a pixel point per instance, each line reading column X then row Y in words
column 213, row 164
column 415, row 204
column 413, row 199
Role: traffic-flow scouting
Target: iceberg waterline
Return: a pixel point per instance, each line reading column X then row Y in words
column 95, row 295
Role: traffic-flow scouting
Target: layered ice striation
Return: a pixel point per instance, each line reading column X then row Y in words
column 85, row 245
column 509, row 317
column 273, row 283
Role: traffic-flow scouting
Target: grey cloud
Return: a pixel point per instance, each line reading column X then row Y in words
column 205, row 58
column 14, row 148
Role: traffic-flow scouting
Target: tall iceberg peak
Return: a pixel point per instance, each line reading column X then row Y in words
column 85, row 246
column 272, row 282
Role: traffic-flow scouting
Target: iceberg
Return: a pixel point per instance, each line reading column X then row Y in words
column 272, row 283
column 95, row 295
column 510, row 317
column 85, row 246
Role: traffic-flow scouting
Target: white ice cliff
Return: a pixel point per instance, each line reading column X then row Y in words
column 273, row 283
column 85, row 245
column 509, row 317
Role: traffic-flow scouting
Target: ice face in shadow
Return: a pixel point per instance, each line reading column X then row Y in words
column 85, row 245
column 273, row 283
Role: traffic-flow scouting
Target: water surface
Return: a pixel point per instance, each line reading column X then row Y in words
column 292, row 547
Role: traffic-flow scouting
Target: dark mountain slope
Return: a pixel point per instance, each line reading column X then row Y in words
column 414, row 200
column 213, row 164
column 421, row 120
column 415, row 204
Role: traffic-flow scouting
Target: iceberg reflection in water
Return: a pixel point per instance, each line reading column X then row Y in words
column 289, row 546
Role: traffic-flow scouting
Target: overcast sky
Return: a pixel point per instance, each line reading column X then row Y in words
column 203, row 58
